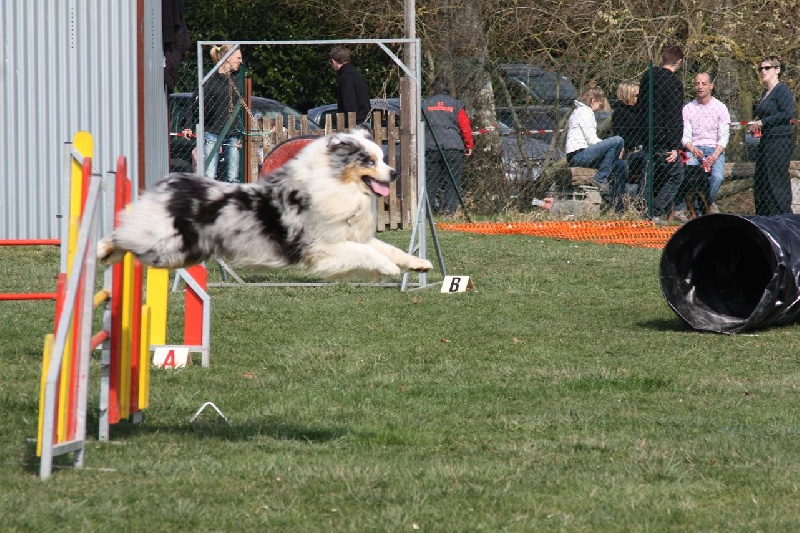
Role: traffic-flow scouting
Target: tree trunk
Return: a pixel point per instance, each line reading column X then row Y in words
column 461, row 59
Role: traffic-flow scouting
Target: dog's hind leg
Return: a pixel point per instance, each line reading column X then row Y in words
column 400, row 258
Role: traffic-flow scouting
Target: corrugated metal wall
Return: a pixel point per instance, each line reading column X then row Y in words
column 70, row 65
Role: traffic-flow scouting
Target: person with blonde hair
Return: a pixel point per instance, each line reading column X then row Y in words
column 585, row 149
column 625, row 123
column 220, row 95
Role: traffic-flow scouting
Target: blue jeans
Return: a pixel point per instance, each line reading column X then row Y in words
column 230, row 147
column 717, row 175
column 604, row 156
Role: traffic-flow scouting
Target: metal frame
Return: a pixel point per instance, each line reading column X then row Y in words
column 83, row 260
column 204, row 349
column 418, row 241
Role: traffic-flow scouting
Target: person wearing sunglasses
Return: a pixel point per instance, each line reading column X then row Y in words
column 772, row 189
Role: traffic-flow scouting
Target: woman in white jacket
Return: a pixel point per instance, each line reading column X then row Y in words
column 585, row 149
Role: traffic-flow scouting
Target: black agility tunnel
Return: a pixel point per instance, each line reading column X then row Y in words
column 729, row 273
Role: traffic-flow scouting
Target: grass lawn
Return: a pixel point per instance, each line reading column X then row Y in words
column 563, row 394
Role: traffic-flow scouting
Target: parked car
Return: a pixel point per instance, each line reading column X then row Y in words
column 524, row 163
column 181, row 147
column 385, row 105
column 529, row 85
column 537, row 99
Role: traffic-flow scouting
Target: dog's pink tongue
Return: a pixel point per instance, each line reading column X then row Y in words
column 379, row 188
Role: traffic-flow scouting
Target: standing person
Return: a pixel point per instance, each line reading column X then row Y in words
column 585, row 149
column 772, row 189
column 667, row 100
column 448, row 139
column 352, row 95
column 706, row 129
column 221, row 95
column 175, row 39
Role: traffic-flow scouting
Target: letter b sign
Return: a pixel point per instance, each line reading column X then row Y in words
column 452, row 284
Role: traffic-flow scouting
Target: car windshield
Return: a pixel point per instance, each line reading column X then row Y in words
column 547, row 87
column 263, row 107
column 384, row 105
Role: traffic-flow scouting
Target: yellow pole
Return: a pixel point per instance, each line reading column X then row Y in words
column 144, row 359
column 157, row 296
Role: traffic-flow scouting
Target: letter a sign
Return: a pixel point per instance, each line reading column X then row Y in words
column 171, row 356
column 457, row 284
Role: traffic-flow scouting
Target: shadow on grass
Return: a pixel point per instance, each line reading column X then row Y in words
column 201, row 429
column 217, row 428
column 663, row 324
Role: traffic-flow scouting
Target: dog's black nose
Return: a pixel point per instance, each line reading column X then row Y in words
column 393, row 175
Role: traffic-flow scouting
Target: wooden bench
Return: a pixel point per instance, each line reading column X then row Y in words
column 741, row 170
column 581, row 176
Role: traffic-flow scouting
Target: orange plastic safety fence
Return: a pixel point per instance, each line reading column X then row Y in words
column 641, row 233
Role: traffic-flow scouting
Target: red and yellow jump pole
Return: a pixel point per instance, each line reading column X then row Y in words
column 124, row 337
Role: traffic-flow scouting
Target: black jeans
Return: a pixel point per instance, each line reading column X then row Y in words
column 667, row 180
column 439, row 185
column 772, row 188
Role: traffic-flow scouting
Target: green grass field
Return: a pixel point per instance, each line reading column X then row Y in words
column 563, row 394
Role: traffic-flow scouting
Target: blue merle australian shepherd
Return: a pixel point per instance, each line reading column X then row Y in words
column 315, row 212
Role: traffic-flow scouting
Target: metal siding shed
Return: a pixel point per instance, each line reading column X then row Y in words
column 71, row 65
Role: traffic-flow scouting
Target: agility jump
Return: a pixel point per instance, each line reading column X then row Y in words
column 129, row 329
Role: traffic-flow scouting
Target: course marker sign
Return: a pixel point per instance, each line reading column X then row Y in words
column 457, row 284
column 171, row 356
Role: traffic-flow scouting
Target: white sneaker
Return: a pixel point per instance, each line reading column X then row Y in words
column 713, row 209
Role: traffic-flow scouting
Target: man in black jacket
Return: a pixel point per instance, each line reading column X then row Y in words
column 667, row 127
column 176, row 41
column 352, row 93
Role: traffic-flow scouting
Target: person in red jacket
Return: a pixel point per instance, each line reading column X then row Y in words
column 448, row 140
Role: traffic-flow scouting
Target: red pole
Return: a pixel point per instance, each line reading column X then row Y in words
column 193, row 309
column 117, row 272
column 29, row 296
column 30, row 242
column 136, row 336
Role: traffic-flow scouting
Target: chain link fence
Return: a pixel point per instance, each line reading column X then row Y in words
column 725, row 163
column 529, row 172
column 241, row 129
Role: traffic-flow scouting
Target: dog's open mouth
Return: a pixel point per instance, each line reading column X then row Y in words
column 378, row 187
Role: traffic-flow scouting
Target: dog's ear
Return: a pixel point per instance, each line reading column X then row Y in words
column 344, row 143
column 362, row 131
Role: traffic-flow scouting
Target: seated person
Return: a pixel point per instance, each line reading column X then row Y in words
column 585, row 149
column 706, row 130
column 625, row 123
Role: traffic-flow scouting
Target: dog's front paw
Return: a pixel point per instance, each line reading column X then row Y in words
column 420, row 265
column 107, row 253
column 390, row 270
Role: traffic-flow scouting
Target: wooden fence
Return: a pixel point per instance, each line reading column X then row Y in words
column 393, row 212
